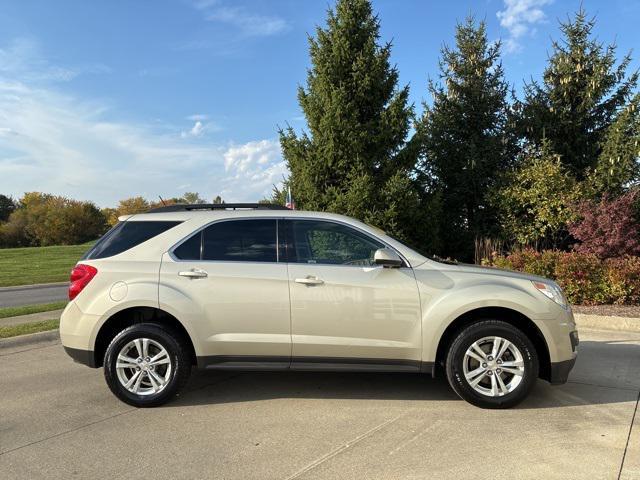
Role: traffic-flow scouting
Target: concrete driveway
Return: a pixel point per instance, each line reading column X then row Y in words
column 58, row 420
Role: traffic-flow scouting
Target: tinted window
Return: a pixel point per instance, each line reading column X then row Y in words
column 330, row 244
column 241, row 241
column 189, row 249
column 126, row 235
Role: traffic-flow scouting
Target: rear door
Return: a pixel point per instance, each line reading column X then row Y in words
column 346, row 311
column 227, row 279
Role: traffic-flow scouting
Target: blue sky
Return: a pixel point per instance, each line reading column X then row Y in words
column 104, row 100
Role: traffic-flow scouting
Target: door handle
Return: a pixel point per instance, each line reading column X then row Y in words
column 193, row 273
column 309, row 280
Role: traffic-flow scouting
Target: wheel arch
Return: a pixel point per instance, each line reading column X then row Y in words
column 508, row 315
column 135, row 315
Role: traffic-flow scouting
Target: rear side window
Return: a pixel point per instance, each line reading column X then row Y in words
column 241, row 241
column 190, row 249
column 126, row 235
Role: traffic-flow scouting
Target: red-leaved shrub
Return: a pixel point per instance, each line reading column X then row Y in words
column 608, row 228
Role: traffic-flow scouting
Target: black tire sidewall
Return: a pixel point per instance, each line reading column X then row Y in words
column 179, row 364
column 463, row 341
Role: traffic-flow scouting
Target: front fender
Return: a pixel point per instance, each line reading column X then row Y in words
column 440, row 311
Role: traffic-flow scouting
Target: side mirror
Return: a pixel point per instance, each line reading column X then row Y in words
column 387, row 258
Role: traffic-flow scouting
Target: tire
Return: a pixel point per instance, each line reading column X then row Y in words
column 156, row 382
column 505, row 389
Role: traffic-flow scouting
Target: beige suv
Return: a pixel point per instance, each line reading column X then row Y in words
column 260, row 287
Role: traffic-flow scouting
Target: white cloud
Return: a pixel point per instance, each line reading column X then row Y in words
column 519, row 18
column 199, row 128
column 60, row 143
column 22, row 60
column 249, row 23
column 198, row 116
column 196, row 131
column 255, row 165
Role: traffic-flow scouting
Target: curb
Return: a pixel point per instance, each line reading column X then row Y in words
column 603, row 322
column 33, row 286
column 21, row 340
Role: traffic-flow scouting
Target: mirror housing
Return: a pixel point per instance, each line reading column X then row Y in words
column 387, row 258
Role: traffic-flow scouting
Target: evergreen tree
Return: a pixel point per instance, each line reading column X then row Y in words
column 355, row 159
column 618, row 166
column 464, row 137
column 580, row 95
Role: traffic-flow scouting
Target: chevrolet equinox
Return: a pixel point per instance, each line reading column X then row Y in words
column 262, row 287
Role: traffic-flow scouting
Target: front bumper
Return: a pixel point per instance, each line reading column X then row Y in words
column 560, row 371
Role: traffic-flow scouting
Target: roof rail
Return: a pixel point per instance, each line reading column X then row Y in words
column 216, row 206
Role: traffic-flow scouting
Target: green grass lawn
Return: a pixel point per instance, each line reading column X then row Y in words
column 26, row 266
column 25, row 328
column 27, row 309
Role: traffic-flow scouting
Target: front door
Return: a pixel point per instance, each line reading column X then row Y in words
column 228, row 281
column 346, row 311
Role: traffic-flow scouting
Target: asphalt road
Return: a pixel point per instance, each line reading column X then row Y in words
column 59, row 420
column 33, row 294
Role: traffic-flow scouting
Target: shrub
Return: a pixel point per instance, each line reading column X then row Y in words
column 535, row 205
column 609, row 227
column 585, row 278
column 623, row 278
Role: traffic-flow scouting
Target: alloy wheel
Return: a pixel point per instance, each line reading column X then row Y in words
column 493, row 366
column 143, row 367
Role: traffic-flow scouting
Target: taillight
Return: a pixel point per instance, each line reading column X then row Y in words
column 81, row 275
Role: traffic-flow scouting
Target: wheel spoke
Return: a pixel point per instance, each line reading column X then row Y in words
column 476, row 348
column 138, row 343
column 474, row 373
column 494, row 386
column 516, row 363
column 505, row 345
column 513, row 371
column 145, row 347
column 126, row 362
column 496, row 346
column 160, row 358
column 502, row 388
column 136, row 387
column 476, row 381
column 133, row 379
column 475, row 356
column 154, row 377
column 154, row 384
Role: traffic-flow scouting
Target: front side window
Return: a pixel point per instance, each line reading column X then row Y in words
column 240, row 241
column 126, row 235
column 329, row 243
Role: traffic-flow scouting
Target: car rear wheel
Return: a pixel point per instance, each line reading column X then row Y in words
column 146, row 365
column 492, row 364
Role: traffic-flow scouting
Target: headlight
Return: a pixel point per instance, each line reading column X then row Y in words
column 552, row 291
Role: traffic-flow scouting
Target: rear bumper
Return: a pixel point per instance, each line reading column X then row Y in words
column 85, row 357
column 560, row 371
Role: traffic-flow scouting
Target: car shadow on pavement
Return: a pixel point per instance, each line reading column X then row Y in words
column 606, row 372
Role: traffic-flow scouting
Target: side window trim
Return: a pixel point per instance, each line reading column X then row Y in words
column 289, row 245
column 201, row 229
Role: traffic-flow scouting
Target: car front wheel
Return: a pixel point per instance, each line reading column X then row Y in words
column 146, row 365
column 492, row 364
